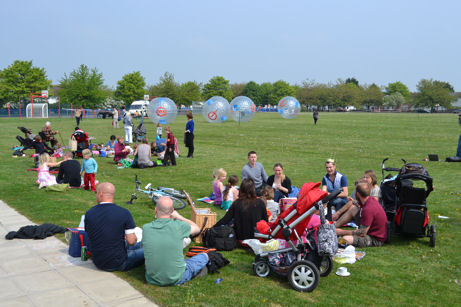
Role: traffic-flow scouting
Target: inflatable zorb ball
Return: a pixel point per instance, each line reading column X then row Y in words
column 162, row 110
column 242, row 109
column 289, row 107
column 216, row 109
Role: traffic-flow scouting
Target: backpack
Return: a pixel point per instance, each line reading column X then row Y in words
column 216, row 261
column 220, row 237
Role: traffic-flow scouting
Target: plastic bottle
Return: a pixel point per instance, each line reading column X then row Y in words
column 82, row 222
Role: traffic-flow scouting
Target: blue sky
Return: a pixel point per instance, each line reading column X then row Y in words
column 262, row 41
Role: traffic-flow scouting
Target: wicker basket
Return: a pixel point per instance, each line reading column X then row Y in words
column 198, row 216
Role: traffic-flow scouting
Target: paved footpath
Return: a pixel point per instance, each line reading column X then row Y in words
column 41, row 273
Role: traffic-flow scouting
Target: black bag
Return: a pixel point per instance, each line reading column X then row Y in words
column 413, row 168
column 216, row 261
column 221, row 237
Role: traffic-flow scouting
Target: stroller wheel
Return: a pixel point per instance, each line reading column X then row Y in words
column 431, row 234
column 326, row 266
column 261, row 269
column 303, row 276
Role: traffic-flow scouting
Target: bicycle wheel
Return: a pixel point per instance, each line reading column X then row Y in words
column 178, row 203
column 173, row 192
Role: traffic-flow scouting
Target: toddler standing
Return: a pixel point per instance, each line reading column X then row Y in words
column 169, row 154
column 90, row 167
column 159, row 131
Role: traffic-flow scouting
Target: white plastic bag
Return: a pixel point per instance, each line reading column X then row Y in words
column 259, row 247
column 346, row 255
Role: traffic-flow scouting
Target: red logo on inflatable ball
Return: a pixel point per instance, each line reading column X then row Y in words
column 161, row 111
column 283, row 103
column 213, row 115
column 252, row 108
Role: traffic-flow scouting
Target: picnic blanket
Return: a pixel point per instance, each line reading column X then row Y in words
column 206, row 200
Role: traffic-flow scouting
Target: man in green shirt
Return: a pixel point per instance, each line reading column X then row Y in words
column 162, row 242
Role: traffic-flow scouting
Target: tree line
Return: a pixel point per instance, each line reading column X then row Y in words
column 85, row 87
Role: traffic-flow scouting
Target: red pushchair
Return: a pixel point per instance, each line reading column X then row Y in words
column 306, row 261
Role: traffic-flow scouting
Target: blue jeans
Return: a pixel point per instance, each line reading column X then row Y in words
column 458, row 152
column 135, row 257
column 278, row 195
column 193, row 266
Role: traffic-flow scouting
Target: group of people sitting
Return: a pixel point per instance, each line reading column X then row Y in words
column 115, row 246
column 362, row 207
column 163, row 149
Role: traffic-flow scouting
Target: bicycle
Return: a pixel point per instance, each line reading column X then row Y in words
column 176, row 196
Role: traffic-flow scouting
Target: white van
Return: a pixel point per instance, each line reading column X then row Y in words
column 350, row 108
column 139, row 106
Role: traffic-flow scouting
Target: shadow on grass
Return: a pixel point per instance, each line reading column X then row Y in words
column 401, row 240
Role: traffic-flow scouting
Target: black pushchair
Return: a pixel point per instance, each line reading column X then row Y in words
column 405, row 203
column 28, row 138
column 139, row 132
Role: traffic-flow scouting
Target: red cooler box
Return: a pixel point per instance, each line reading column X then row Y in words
column 287, row 203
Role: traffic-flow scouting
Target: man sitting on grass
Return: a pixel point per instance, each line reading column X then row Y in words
column 162, row 241
column 69, row 171
column 373, row 221
column 255, row 171
column 111, row 232
column 332, row 181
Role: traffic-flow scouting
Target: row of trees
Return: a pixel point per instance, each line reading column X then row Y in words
column 85, row 86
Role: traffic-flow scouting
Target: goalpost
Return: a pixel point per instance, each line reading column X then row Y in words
column 37, row 110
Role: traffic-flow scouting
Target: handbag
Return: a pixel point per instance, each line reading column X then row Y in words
column 327, row 240
column 73, row 144
column 78, row 239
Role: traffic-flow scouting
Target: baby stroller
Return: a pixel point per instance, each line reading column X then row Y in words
column 304, row 262
column 139, row 132
column 405, row 204
column 28, row 139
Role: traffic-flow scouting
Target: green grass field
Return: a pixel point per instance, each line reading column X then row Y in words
column 406, row 272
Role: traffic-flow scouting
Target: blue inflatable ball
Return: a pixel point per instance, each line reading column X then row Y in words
column 216, row 109
column 162, row 110
column 242, row 109
column 288, row 107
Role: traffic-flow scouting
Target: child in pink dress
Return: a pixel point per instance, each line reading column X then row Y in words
column 44, row 176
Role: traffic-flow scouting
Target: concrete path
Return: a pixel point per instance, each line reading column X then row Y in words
column 41, row 273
